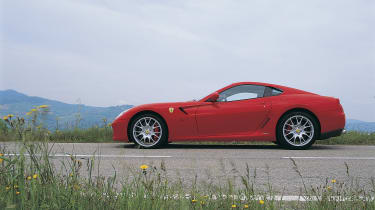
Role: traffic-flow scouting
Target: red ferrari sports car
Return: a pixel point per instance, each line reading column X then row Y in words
column 243, row 111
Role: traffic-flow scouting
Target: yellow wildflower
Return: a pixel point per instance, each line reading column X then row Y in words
column 79, row 163
column 28, row 113
column 35, row 176
column 10, row 115
column 144, row 167
column 261, row 202
column 15, row 186
column 329, row 188
column 17, row 193
column 246, row 206
column 193, row 201
column 33, row 110
column 109, row 124
column 76, row 187
column 333, row 180
column 234, row 206
column 43, row 106
column 71, row 174
column 28, row 178
column 1, row 154
column 7, row 188
column 5, row 118
column 202, row 203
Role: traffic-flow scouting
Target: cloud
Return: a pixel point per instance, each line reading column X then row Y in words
column 140, row 51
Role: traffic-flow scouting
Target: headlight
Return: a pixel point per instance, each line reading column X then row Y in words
column 121, row 114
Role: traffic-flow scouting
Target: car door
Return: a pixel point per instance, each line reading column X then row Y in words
column 239, row 110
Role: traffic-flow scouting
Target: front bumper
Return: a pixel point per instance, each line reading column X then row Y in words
column 120, row 131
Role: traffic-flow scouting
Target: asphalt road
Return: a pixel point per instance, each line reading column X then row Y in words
column 216, row 163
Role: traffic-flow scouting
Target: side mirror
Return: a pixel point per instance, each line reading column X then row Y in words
column 213, row 98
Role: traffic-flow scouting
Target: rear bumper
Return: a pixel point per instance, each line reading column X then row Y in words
column 331, row 134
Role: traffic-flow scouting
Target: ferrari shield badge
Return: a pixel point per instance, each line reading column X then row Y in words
column 171, row 109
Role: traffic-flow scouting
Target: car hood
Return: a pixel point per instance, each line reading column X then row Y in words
column 156, row 107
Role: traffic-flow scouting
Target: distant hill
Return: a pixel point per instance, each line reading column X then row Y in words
column 13, row 102
column 357, row 125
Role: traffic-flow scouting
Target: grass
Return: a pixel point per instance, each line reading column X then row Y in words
column 35, row 182
column 351, row 138
column 12, row 128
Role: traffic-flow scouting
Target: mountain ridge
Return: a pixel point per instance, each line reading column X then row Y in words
column 16, row 103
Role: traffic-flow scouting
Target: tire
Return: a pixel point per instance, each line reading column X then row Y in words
column 148, row 131
column 297, row 130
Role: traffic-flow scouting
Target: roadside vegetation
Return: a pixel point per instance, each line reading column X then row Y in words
column 352, row 138
column 32, row 125
column 31, row 179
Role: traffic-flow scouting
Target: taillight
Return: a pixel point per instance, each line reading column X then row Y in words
column 339, row 105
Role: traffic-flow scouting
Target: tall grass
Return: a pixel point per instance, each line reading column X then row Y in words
column 352, row 138
column 12, row 128
column 31, row 180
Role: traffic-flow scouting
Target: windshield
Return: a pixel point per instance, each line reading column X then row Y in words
column 200, row 98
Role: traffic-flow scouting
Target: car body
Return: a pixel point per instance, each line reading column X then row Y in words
column 231, row 115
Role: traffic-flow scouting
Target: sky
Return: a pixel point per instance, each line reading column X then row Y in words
column 113, row 52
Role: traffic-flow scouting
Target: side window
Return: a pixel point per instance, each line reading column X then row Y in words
column 270, row 91
column 242, row 92
column 276, row 92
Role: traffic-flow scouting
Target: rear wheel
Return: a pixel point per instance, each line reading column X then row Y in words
column 148, row 131
column 297, row 130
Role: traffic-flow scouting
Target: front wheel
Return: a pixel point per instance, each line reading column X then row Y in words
column 297, row 130
column 149, row 131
